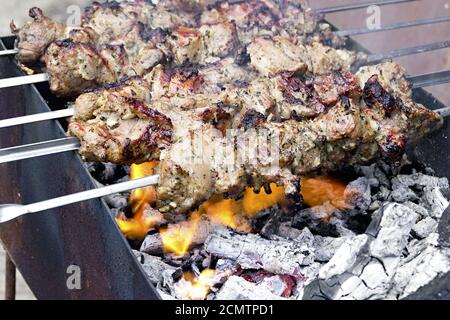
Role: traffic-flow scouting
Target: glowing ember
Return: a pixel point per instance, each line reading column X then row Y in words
column 317, row 191
column 178, row 238
column 137, row 227
column 197, row 288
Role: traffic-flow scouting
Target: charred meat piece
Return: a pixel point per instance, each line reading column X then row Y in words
column 120, row 130
column 35, row 36
column 391, row 76
column 270, row 56
column 70, row 77
column 331, row 86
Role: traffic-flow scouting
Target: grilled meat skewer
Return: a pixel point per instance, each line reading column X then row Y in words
column 355, row 125
column 103, row 51
column 110, row 21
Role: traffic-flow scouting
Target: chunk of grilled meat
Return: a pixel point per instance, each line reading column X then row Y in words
column 272, row 55
column 120, row 130
column 391, row 75
column 35, row 36
column 76, row 66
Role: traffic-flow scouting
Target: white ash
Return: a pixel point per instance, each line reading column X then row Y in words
column 153, row 266
column 237, row 288
column 254, row 252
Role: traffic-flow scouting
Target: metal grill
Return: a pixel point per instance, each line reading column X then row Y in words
column 84, row 233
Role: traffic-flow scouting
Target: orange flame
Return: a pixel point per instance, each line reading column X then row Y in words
column 177, row 238
column 197, row 287
column 256, row 202
column 317, row 191
column 137, row 227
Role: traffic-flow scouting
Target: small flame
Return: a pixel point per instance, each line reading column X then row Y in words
column 197, row 288
column 254, row 203
column 177, row 238
column 137, row 227
column 317, row 191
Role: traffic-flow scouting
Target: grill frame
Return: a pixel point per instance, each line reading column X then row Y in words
column 44, row 245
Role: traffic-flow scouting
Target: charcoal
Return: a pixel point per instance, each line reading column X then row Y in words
column 153, row 266
column 344, row 258
column 430, row 263
column 420, row 210
column 286, row 231
column 326, row 247
column 358, row 194
column 403, row 194
column 317, row 220
column 425, row 227
column 396, row 225
column 375, row 205
column 237, row 288
column 435, row 201
column 253, row 252
column 382, row 178
column 422, row 180
column 152, row 244
column 383, row 194
column 444, row 229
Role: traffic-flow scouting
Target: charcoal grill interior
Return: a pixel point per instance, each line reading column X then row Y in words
column 44, row 245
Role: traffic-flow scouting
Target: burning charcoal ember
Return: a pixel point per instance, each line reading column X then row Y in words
column 396, row 225
column 237, row 288
column 435, row 201
column 425, row 227
column 428, row 263
column 253, row 252
column 344, row 258
column 357, row 194
column 280, row 285
column 153, row 266
column 316, row 219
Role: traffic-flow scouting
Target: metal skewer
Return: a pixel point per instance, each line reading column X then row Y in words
column 38, row 149
column 69, row 144
column 9, row 212
column 349, row 7
column 395, row 26
column 23, row 80
column 9, row 52
column 375, row 58
column 36, row 118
